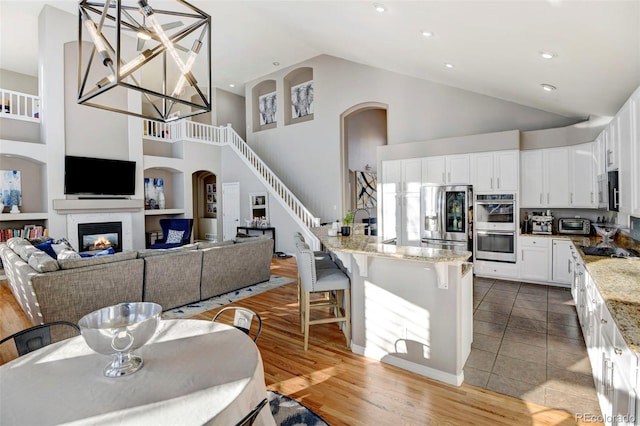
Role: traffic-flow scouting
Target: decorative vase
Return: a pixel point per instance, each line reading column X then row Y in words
column 161, row 202
column 345, row 231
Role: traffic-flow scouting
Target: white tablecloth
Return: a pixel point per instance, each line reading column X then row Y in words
column 194, row 373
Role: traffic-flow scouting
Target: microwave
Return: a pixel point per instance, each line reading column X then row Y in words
column 574, row 226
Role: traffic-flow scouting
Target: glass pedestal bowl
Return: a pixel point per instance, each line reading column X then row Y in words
column 118, row 331
column 607, row 232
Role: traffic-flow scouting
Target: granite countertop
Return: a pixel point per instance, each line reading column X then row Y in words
column 617, row 281
column 369, row 245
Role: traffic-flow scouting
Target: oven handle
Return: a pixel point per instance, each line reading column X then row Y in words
column 493, row 202
column 496, row 233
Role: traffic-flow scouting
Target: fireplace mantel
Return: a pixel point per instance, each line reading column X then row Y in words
column 97, row 205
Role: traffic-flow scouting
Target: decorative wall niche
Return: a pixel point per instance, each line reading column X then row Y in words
column 264, row 105
column 298, row 99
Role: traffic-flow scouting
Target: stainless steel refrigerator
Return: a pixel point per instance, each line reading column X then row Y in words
column 447, row 212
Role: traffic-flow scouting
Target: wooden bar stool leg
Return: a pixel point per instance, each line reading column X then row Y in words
column 306, row 297
column 347, row 314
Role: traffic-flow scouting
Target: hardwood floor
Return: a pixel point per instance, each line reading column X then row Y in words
column 344, row 388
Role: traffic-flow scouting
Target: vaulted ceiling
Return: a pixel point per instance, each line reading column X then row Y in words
column 494, row 46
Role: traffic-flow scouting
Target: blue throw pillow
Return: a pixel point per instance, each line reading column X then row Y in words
column 46, row 247
column 110, row 250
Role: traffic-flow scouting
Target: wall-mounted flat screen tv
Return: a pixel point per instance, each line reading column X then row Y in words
column 99, row 176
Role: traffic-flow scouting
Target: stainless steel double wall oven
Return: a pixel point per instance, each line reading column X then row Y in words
column 495, row 227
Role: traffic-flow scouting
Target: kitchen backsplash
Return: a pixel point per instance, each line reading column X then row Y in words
column 635, row 228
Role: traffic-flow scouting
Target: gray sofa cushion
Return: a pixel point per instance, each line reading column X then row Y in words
column 206, row 245
column 160, row 252
column 172, row 279
column 97, row 260
column 42, row 262
column 25, row 252
column 14, row 242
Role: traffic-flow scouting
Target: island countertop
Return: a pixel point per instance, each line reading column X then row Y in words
column 369, row 245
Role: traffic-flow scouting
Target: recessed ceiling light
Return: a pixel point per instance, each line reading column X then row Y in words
column 548, row 55
column 276, row 63
column 427, row 33
column 232, row 85
column 548, row 87
column 448, row 65
column 380, row 8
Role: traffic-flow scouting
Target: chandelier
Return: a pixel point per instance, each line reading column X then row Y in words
column 127, row 47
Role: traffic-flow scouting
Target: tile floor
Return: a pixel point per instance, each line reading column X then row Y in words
column 527, row 343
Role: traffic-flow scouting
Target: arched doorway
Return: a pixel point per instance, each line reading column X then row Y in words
column 363, row 129
column 205, row 205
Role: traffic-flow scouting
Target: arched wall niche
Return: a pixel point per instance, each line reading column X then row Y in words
column 264, row 116
column 298, row 96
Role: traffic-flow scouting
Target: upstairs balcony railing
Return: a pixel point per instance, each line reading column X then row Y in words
column 19, row 106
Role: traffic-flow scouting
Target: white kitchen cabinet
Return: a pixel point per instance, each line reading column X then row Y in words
column 446, row 169
column 561, row 262
column 494, row 171
column 544, row 177
column 457, row 168
column 582, row 179
column 635, row 154
column 401, row 181
column 624, row 125
column 610, row 134
column 533, row 261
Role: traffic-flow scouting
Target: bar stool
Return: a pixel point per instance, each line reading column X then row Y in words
column 331, row 281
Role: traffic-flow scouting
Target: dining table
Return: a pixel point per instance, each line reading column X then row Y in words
column 194, row 372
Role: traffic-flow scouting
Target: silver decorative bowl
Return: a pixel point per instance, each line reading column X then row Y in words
column 606, row 231
column 118, row 331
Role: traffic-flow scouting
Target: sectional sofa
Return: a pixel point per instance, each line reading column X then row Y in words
column 51, row 290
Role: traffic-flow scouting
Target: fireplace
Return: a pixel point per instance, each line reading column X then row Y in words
column 93, row 237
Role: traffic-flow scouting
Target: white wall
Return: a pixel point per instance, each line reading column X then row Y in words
column 366, row 130
column 418, row 110
column 230, row 109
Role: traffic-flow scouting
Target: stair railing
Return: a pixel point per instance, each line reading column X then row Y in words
column 197, row 132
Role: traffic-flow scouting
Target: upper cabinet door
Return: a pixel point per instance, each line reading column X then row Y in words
column 611, row 146
column 506, row 170
column 392, row 176
column 412, row 174
column 635, row 152
column 457, row 168
column 583, row 177
column 531, row 182
column 624, row 123
column 556, row 176
column 482, row 171
column 433, row 170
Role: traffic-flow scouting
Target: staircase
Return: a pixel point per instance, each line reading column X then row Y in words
column 190, row 131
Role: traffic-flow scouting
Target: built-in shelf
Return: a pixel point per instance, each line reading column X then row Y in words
column 97, row 205
column 23, row 216
column 156, row 212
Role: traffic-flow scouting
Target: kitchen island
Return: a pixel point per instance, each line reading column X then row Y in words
column 411, row 307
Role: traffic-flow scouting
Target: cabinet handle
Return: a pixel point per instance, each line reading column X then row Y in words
column 591, row 197
column 449, row 177
column 444, row 179
column 547, row 198
column 568, row 266
column 603, row 321
column 491, row 182
column 522, row 255
column 593, row 301
column 498, row 182
column 618, row 351
column 615, row 198
column 541, row 198
column 571, row 197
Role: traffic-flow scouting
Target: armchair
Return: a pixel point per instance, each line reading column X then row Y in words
column 177, row 231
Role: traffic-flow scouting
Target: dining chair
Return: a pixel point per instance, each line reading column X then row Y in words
column 331, row 282
column 250, row 418
column 38, row 336
column 243, row 320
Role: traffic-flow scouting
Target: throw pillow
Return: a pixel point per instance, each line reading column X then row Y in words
column 47, row 248
column 42, row 262
column 25, row 252
column 61, row 244
column 174, row 236
column 66, row 254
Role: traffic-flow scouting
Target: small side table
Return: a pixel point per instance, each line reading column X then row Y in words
column 249, row 229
